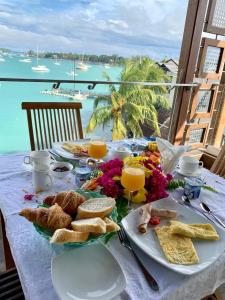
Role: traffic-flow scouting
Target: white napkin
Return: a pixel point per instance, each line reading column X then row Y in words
column 170, row 154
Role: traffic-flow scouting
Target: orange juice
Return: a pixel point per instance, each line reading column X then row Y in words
column 97, row 149
column 133, row 179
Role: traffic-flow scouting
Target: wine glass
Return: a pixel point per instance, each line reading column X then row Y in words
column 132, row 179
column 97, row 149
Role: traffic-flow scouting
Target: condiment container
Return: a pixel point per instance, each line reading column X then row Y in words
column 82, row 174
column 192, row 187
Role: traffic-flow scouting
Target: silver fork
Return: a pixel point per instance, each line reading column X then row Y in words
column 126, row 243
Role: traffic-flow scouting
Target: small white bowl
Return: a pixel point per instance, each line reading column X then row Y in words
column 60, row 164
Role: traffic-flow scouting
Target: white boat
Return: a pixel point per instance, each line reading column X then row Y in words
column 56, row 62
column 107, row 66
column 81, row 66
column 2, row 59
column 25, row 60
column 79, row 96
column 40, row 68
column 72, row 73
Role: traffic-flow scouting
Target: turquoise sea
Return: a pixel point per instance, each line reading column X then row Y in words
column 13, row 128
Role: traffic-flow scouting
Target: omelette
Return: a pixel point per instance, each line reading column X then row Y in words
column 201, row 231
column 76, row 149
column 178, row 249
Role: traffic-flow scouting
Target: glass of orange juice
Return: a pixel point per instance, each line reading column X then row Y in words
column 132, row 179
column 97, row 148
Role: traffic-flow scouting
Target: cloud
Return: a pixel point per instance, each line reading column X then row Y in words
column 126, row 27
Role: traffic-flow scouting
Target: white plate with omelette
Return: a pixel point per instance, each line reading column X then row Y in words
column 207, row 250
column 58, row 148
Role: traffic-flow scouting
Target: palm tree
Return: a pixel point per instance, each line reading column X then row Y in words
column 131, row 105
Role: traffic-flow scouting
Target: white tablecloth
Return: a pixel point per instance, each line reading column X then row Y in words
column 32, row 253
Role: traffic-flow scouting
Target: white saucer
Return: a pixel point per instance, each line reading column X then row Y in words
column 90, row 273
column 195, row 174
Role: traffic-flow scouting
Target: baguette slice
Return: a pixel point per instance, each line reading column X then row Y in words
column 68, row 236
column 111, row 225
column 96, row 207
column 93, row 225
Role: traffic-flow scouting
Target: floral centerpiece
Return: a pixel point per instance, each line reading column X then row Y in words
column 156, row 181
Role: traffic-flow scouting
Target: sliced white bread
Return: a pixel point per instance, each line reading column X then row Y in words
column 111, row 225
column 93, row 225
column 68, row 236
column 96, row 207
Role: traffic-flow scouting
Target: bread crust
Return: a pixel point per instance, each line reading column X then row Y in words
column 63, row 235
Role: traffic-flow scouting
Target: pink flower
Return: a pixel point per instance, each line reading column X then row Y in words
column 28, row 197
column 114, row 163
column 169, row 177
column 115, row 172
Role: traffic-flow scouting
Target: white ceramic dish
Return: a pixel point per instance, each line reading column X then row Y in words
column 57, row 147
column 60, row 164
column 208, row 251
column 90, row 273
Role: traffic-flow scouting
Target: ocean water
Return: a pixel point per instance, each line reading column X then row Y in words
column 13, row 129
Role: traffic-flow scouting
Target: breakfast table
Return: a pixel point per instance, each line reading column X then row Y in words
column 33, row 254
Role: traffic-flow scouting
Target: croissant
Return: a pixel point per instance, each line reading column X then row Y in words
column 69, row 201
column 51, row 218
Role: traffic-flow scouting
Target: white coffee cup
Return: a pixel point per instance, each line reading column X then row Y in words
column 40, row 160
column 41, row 180
column 121, row 152
column 189, row 165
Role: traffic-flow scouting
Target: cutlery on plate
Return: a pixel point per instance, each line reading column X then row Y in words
column 205, row 207
column 126, row 243
column 54, row 154
column 187, row 202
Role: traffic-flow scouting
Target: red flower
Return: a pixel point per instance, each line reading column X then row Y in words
column 28, row 197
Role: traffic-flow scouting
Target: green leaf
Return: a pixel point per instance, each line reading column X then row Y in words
column 175, row 184
column 209, row 188
column 122, row 209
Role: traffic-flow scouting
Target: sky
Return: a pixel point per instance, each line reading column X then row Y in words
column 123, row 27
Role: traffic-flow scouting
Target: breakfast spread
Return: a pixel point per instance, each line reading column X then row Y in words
column 76, row 149
column 71, row 218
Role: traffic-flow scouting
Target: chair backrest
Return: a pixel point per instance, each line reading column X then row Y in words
column 50, row 122
column 218, row 166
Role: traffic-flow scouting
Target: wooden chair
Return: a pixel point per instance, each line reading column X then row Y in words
column 50, row 122
column 218, row 166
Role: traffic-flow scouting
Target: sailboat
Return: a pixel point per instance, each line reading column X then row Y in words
column 81, row 66
column 25, row 60
column 71, row 73
column 56, row 62
column 107, row 66
column 79, row 96
column 40, row 68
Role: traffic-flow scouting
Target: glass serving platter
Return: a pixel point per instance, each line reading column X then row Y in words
column 47, row 234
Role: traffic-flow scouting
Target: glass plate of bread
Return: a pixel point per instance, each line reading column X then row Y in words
column 74, row 218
